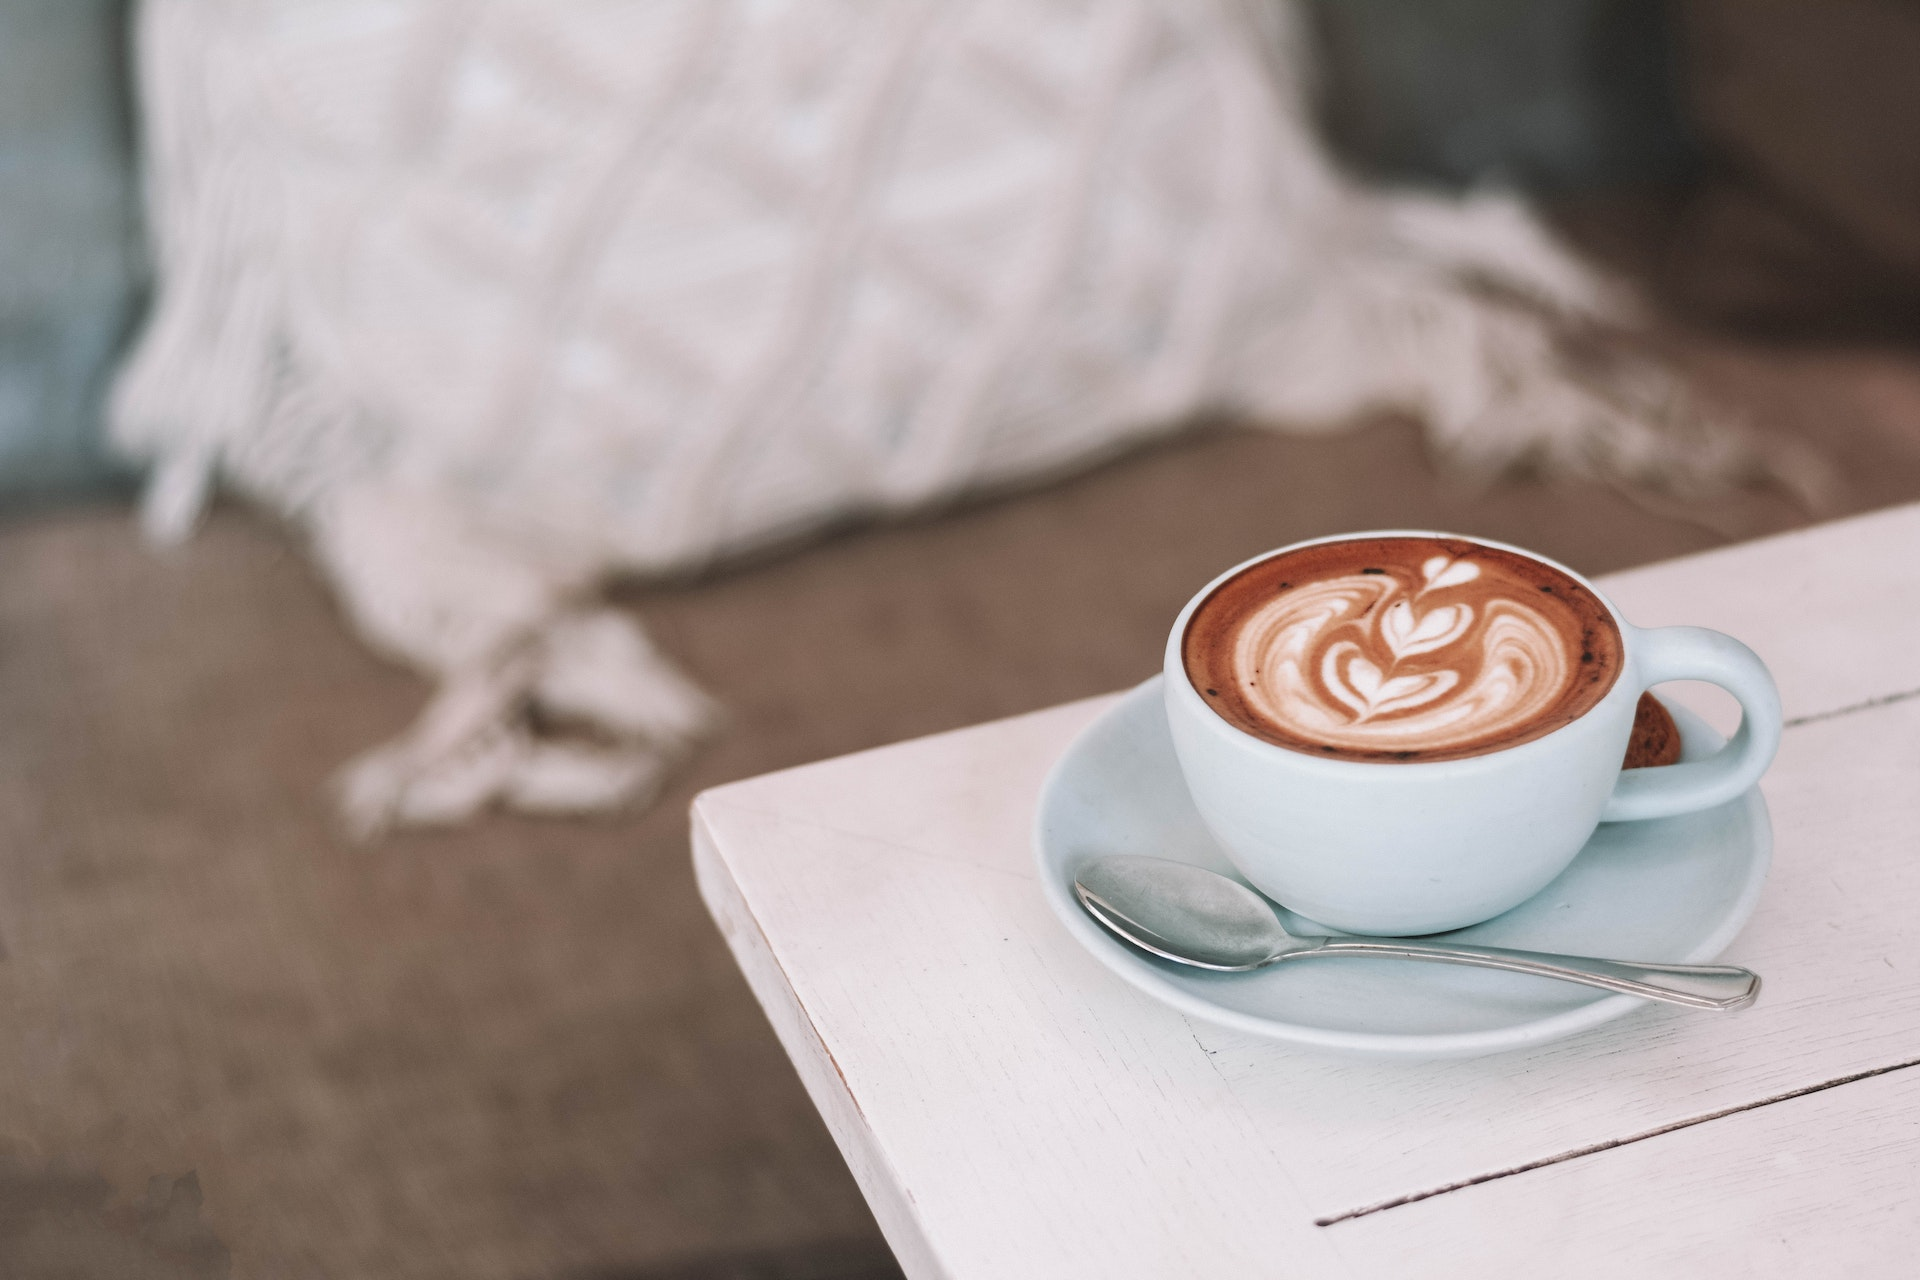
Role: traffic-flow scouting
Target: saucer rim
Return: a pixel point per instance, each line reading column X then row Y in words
column 1111, row 953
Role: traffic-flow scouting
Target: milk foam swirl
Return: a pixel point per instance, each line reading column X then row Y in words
column 1399, row 660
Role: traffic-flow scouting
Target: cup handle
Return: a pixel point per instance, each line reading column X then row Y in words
column 1695, row 653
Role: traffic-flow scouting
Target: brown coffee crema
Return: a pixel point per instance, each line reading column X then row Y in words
column 1401, row 649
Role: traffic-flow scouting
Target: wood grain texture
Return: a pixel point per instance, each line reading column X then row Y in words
column 1820, row 1185
column 1041, row 1118
column 891, row 1204
column 929, row 947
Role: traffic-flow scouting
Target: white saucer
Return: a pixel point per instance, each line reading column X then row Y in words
column 1673, row 889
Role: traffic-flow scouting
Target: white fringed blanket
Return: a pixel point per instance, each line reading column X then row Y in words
column 499, row 297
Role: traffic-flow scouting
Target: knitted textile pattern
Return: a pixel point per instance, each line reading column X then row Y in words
column 497, row 298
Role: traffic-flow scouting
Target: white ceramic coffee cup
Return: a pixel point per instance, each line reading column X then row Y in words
column 1418, row 847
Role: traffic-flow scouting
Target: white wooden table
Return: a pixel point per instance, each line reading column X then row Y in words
column 1013, row 1109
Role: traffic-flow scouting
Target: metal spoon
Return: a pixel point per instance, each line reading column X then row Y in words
column 1189, row 914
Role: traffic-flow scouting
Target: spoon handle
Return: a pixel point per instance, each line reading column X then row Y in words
column 1700, row 986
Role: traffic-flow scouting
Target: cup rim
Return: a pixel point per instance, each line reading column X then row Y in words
column 1177, row 680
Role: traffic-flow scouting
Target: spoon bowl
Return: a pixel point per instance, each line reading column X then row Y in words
column 1181, row 912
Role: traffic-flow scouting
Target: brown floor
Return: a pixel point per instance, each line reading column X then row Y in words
column 519, row 1049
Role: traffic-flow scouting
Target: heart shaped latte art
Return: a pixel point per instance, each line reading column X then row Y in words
column 1396, row 661
column 1361, row 686
column 1407, row 633
column 1449, row 571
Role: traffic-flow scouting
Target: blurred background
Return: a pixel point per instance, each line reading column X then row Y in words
column 240, row 1043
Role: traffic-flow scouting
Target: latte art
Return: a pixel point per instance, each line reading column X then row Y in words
column 1374, row 661
column 1401, row 649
